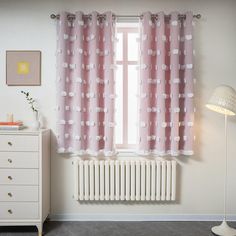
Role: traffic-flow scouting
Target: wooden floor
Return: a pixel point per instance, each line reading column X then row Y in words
column 116, row 229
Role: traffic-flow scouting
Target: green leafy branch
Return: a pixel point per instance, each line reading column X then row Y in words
column 31, row 101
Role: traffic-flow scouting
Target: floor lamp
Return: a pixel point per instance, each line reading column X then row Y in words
column 223, row 100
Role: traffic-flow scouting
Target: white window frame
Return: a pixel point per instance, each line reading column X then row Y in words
column 125, row 146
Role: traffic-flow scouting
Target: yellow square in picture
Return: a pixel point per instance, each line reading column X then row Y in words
column 23, row 68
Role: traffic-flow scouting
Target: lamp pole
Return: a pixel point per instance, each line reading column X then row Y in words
column 226, row 164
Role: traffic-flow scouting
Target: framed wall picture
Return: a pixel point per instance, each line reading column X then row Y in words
column 23, row 68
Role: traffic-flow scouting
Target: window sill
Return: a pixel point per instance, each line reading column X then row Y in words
column 126, row 152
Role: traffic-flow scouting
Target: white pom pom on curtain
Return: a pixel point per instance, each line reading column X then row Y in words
column 85, row 83
column 166, row 57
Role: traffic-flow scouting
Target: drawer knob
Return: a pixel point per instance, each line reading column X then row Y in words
column 10, row 160
column 9, row 177
column 9, row 194
column 10, row 211
column 9, row 143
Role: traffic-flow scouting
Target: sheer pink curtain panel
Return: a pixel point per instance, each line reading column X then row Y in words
column 85, row 84
column 166, row 85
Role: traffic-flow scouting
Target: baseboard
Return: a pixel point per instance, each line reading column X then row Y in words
column 137, row 217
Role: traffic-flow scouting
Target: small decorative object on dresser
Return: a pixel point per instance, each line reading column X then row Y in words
column 34, row 107
column 10, row 117
column 17, row 125
column 24, row 177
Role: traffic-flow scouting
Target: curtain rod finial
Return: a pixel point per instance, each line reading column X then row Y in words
column 53, row 16
column 198, row 16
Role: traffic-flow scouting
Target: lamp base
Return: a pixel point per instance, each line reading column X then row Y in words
column 224, row 230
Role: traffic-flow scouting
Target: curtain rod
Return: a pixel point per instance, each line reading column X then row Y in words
column 72, row 16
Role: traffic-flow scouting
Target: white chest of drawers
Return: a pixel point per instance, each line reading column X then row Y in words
column 24, row 177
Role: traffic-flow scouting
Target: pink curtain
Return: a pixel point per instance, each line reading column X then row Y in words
column 85, row 79
column 166, row 85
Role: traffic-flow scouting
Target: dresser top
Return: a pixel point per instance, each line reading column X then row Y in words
column 24, row 131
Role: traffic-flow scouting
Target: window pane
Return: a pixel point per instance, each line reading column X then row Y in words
column 119, row 105
column 132, row 103
column 119, row 47
column 132, row 47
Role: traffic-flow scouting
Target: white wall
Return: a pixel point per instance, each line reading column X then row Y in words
column 25, row 25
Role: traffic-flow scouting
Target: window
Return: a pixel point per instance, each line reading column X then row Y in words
column 127, row 54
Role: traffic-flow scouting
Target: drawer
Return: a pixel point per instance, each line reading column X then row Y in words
column 19, row 143
column 19, row 160
column 19, row 210
column 19, row 176
column 15, row 193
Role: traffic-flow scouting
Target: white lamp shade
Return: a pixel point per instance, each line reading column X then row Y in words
column 223, row 100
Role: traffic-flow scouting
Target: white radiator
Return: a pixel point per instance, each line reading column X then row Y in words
column 125, row 180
